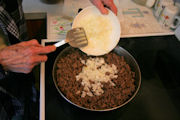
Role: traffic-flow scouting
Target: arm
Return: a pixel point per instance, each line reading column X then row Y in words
column 22, row 57
column 100, row 5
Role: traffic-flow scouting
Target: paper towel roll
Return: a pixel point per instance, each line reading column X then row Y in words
column 177, row 33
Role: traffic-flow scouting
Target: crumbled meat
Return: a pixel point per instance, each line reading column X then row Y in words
column 70, row 65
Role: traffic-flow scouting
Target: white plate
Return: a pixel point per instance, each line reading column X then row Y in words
column 103, row 31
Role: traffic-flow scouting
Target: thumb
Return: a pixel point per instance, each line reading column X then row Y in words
column 45, row 49
column 100, row 6
column 50, row 48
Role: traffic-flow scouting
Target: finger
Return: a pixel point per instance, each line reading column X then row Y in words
column 21, row 68
column 100, row 6
column 111, row 5
column 29, row 56
column 49, row 49
column 34, row 50
column 45, row 50
column 18, row 70
column 30, row 60
column 32, row 42
column 37, row 59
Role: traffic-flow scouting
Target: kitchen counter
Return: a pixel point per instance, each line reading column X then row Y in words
column 35, row 9
column 131, row 26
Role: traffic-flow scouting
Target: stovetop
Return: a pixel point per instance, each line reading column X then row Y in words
column 159, row 94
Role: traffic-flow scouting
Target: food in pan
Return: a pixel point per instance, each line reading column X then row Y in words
column 96, row 83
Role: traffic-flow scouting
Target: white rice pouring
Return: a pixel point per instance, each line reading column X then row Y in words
column 103, row 31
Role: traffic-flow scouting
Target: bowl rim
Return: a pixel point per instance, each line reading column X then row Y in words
column 113, row 20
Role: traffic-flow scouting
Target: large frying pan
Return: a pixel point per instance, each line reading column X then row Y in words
column 119, row 51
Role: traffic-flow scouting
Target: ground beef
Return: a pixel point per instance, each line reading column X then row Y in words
column 69, row 65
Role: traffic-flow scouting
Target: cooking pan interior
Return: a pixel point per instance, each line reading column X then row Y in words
column 119, row 51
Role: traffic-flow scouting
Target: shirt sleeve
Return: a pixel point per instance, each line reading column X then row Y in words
column 3, row 42
column 2, row 73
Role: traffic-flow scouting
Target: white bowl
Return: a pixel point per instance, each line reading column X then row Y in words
column 103, row 31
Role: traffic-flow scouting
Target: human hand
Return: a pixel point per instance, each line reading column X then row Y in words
column 22, row 57
column 100, row 5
